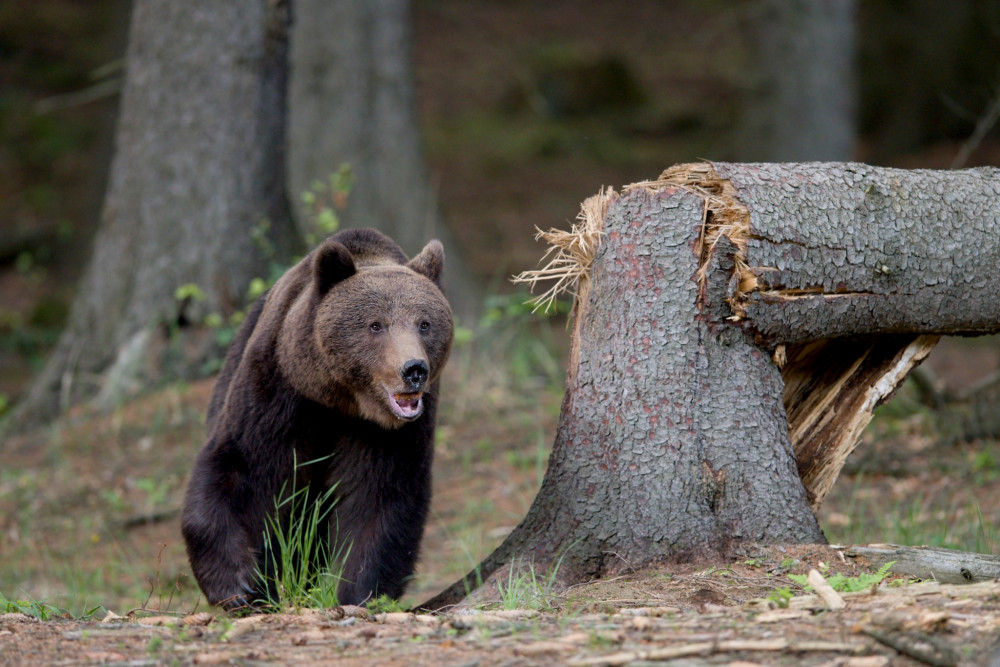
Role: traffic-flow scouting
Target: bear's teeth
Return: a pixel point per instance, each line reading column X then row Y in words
column 408, row 404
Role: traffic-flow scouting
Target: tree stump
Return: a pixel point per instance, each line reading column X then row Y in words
column 732, row 335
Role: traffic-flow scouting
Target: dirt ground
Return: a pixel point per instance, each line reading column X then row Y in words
column 698, row 614
column 83, row 529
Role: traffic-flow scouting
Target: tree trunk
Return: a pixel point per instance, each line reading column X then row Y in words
column 676, row 434
column 199, row 164
column 800, row 104
column 352, row 100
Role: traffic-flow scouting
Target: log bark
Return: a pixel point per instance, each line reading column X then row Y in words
column 945, row 566
column 676, row 430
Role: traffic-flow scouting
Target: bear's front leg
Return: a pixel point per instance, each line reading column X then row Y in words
column 382, row 545
column 223, row 525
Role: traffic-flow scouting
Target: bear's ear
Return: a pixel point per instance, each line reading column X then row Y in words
column 331, row 264
column 430, row 261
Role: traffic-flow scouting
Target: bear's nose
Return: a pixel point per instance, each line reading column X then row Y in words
column 415, row 372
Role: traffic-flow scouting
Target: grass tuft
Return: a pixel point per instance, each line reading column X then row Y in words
column 305, row 567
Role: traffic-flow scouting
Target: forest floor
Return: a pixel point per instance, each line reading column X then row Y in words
column 701, row 616
column 91, row 544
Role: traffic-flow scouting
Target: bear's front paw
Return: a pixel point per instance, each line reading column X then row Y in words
column 247, row 598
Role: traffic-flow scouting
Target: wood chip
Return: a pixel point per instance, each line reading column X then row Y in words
column 726, row 646
column 641, row 622
column 110, row 617
column 215, row 658
column 782, row 615
column 244, row 626
column 201, row 618
column 832, row 598
column 427, row 619
column 542, row 648
column 867, row 661
column 352, row 611
column 168, row 621
column 396, row 618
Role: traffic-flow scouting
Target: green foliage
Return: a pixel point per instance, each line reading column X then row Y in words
column 30, row 336
column 155, row 489
column 844, row 584
column 39, row 609
column 322, row 201
column 113, row 499
column 385, row 604
column 155, row 645
column 780, row 597
column 259, row 236
column 189, row 292
column 527, row 589
column 508, row 322
column 307, row 574
column 257, row 287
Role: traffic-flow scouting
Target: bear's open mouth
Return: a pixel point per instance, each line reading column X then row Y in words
column 407, row 405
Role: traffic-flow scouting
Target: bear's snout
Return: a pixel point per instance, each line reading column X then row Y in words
column 415, row 372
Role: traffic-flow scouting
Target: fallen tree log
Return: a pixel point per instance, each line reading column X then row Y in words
column 945, row 566
column 735, row 326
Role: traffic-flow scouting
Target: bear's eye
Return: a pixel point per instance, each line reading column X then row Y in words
column 375, row 327
column 424, row 326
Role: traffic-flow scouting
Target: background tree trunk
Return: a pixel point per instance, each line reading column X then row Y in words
column 199, row 163
column 674, row 434
column 800, row 104
column 352, row 100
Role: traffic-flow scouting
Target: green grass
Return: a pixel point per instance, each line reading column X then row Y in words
column 525, row 588
column 44, row 611
column 385, row 604
column 296, row 545
column 952, row 521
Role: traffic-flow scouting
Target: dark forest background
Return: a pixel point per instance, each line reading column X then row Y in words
column 524, row 110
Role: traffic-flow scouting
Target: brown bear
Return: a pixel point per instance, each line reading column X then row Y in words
column 332, row 380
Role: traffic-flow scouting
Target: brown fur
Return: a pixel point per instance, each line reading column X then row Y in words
column 339, row 361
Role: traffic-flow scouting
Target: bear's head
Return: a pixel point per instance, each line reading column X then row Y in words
column 371, row 331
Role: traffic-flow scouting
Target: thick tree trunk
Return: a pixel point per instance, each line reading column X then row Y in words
column 352, row 100
column 199, row 163
column 675, row 437
column 800, row 102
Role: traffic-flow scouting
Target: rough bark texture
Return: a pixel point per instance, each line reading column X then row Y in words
column 844, row 249
column 835, row 254
column 198, row 163
column 352, row 100
column 800, row 105
column 673, row 436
